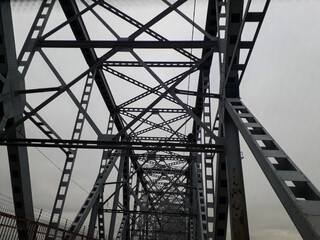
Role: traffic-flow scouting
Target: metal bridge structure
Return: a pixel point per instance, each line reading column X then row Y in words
column 162, row 128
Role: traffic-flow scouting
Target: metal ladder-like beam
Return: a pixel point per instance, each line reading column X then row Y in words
column 208, row 160
column 244, row 48
column 37, row 28
column 70, row 160
column 95, row 192
column 98, row 206
column 112, row 224
column 202, row 225
column 298, row 195
column 221, row 190
column 43, row 126
column 107, row 163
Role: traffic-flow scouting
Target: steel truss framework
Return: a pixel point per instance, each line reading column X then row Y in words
column 170, row 164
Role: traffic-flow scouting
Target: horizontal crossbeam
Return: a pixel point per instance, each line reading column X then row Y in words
column 149, row 64
column 162, row 213
column 193, row 93
column 90, row 144
column 125, row 44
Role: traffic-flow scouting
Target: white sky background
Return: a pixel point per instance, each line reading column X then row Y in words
column 280, row 87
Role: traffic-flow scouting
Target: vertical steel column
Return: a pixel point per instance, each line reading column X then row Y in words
column 221, row 199
column 193, row 202
column 97, row 210
column 229, row 87
column 208, row 157
column 11, row 110
column 141, row 222
column 221, row 193
column 126, row 195
column 237, row 202
column 101, row 227
column 134, row 223
column 202, row 226
column 116, row 198
column 234, row 12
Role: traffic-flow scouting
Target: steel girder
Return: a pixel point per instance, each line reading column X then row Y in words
column 160, row 143
column 298, row 195
column 11, row 109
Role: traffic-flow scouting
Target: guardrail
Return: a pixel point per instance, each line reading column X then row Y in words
column 35, row 230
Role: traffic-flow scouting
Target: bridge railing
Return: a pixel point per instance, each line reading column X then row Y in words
column 35, row 230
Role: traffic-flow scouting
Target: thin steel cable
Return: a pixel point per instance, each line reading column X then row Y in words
column 192, row 36
column 61, row 170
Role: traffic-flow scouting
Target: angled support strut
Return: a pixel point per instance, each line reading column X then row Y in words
column 298, row 195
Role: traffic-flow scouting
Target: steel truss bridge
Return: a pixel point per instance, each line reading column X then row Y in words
column 168, row 142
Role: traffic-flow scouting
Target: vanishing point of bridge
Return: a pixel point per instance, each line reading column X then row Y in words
column 129, row 94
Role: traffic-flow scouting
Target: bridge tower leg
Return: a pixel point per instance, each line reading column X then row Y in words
column 11, row 109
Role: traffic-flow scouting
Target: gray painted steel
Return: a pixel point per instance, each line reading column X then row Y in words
column 169, row 183
column 302, row 200
column 11, row 109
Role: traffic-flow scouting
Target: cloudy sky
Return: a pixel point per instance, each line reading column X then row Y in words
column 280, row 87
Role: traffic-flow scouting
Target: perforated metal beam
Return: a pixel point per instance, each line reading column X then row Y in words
column 298, row 195
column 125, row 44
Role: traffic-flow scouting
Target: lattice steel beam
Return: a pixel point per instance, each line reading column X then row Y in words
column 11, row 109
column 170, row 146
column 298, row 195
column 124, row 44
column 164, row 131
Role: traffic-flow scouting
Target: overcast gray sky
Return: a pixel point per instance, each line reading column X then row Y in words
column 280, row 87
